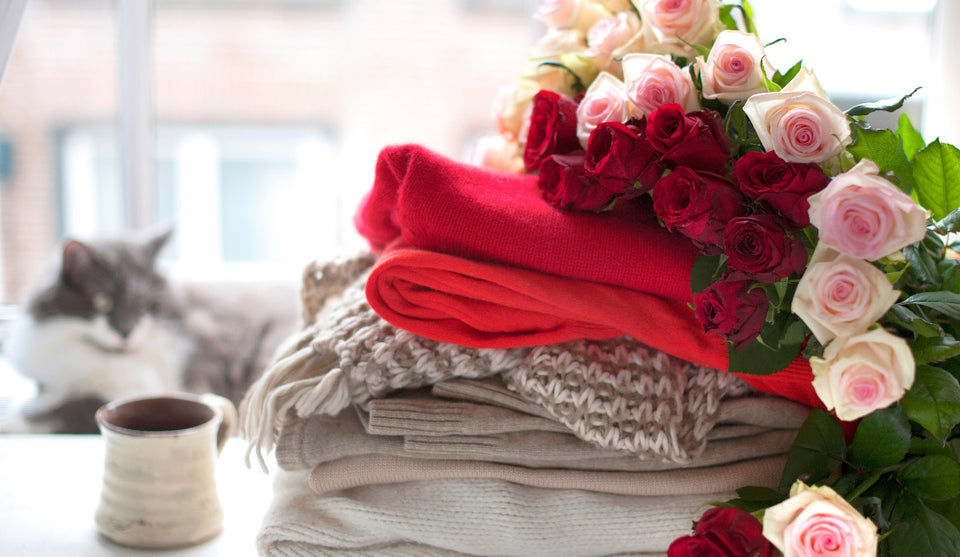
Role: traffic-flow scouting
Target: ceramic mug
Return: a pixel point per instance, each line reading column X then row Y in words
column 159, row 482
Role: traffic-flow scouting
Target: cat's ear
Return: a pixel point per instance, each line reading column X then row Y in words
column 77, row 260
column 156, row 243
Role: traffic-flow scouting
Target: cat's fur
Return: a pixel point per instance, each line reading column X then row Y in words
column 105, row 324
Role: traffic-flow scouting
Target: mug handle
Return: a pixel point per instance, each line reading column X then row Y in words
column 229, row 424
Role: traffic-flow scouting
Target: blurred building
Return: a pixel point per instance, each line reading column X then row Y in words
column 269, row 115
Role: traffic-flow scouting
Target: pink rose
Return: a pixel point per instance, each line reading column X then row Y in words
column 610, row 33
column 840, row 296
column 863, row 215
column 677, row 24
column 799, row 122
column 653, row 81
column 817, row 522
column 604, row 101
column 863, row 373
column 733, row 69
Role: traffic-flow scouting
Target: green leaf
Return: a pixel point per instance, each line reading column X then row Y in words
column 936, row 170
column 912, row 140
column 728, row 22
column 886, row 105
column 817, row 451
column 904, row 318
column 947, row 303
column 949, row 223
column 704, row 272
column 920, row 531
column 930, row 349
column 923, row 266
column 882, row 439
column 934, row 401
column 883, row 148
column 783, row 79
column 757, row 359
column 934, row 477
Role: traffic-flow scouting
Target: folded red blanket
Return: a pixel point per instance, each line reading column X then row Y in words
column 484, row 262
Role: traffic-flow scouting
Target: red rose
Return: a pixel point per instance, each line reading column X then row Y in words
column 564, row 184
column 695, row 140
column 731, row 310
column 699, row 205
column 692, row 546
column 619, row 158
column 737, row 532
column 784, row 186
column 553, row 129
column 759, row 247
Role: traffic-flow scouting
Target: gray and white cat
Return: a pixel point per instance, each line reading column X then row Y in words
column 105, row 323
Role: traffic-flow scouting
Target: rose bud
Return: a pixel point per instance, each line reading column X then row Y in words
column 604, row 101
column 734, row 68
column 737, row 532
column 653, row 81
column 695, row 139
column 564, row 184
column 783, row 186
column 619, row 158
column 552, row 129
column 733, row 311
column 817, row 521
column 863, row 373
column 676, row 25
column 799, row 122
column 863, row 215
column 841, row 296
column 693, row 546
column 698, row 205
column 759, row 247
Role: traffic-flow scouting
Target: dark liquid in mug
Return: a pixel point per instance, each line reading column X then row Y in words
column 157, row 414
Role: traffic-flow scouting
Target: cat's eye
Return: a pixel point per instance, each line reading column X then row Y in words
column 102, row 302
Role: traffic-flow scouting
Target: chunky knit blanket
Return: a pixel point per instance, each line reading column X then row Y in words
column 617, row 394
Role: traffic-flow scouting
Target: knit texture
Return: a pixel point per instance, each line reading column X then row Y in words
column 319, row 439
column 451, row 518
column 357, row 471
column 625, row 396
column 617, row 394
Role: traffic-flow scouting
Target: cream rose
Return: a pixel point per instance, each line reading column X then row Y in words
column 799, row 122
column 498, row 153
column 817, row 522
column 734, row 68
column 653, row 80
column 558, row 41
column 573, row 14
column 841, row 296
column 863, row 215
column 677, row 24
column 604, row 101
column 863, row 373
column 510, row 107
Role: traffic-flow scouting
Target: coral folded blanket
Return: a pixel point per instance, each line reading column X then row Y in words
column 475, row 257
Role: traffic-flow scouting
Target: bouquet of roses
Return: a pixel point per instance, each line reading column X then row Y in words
column 818, row 236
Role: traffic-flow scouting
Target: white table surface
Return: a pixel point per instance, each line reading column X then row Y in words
column 50, row 487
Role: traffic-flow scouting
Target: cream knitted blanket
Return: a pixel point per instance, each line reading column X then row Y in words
column 617, row 394
column 453, row 518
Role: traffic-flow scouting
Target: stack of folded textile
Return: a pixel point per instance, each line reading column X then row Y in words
column 495, row 386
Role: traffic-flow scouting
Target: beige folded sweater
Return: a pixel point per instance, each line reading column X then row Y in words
column 452, row 518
